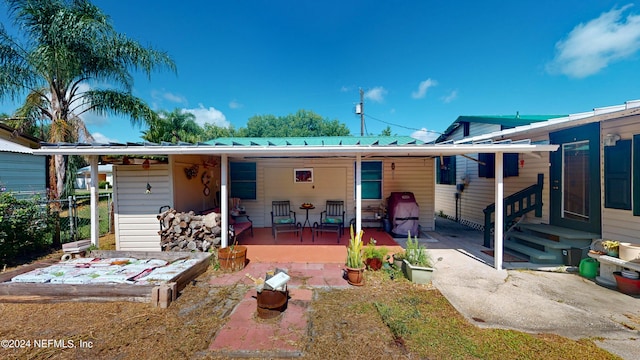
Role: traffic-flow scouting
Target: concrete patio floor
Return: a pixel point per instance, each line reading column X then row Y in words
column 554, row 301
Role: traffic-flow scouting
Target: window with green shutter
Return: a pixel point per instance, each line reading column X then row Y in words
column 446, row 170
column 371, row 180
column 636, row 175
column 487, row 165
column 617, row 175
column 243, row 180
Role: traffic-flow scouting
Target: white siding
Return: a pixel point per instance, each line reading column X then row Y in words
column 619, row 224
column 479, row 193
column 135, row 211
column 23, row 174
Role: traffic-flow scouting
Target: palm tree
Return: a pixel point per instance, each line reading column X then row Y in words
column 70, row 50
column 173, row 127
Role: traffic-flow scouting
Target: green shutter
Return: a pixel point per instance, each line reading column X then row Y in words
column 243, row 180
column 617, row 175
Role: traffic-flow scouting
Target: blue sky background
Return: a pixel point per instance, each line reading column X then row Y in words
column 421, row 63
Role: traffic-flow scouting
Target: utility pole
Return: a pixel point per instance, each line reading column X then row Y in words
column 360, row 110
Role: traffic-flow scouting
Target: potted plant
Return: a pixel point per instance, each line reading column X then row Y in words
column 418, row 263
column 374, row 256
column 355, row 262
column 612, row 247
column 398, row 259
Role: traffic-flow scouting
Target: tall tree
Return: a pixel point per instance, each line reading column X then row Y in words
column 70, row 50
column 173, row 127
column 302, row 123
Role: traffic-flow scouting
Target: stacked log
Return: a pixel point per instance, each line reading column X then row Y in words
column 182, row 231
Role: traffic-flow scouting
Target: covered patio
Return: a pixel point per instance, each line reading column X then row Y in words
column 351, row 151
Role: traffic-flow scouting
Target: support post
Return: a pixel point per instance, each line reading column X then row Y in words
column 224, row 199
column 499, row 214
column 358, row 193
column 95, row 213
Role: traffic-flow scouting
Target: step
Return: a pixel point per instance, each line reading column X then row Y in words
column 538, row 240
column 535, row 255
column 562, row 233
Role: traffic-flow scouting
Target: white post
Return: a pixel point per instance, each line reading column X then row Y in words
column 224, row 200
column 93, row 191
column 358, row 193
column 499, row 214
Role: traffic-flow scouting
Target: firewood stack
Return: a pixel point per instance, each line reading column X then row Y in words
column 188, row 232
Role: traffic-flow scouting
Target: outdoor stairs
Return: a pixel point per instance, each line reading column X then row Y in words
column 544, row 244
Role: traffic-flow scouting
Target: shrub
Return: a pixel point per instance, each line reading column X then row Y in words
column 24, row 227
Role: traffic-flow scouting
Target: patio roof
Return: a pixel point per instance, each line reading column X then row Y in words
column 296, row 147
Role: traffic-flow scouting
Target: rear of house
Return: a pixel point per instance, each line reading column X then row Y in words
column 589, row 187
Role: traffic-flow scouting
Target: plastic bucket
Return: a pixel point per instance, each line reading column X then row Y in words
column 589, row 268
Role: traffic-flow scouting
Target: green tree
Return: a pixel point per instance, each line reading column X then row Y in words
column 301, row 124
column 70, row 50
column 211, row 131
column 176, row 126
column 386, row 131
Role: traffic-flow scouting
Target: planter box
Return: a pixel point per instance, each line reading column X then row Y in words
column 418, row 274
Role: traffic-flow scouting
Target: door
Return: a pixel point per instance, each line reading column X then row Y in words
column 575, row 178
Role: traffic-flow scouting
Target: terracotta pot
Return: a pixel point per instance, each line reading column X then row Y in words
column 355, row 276
column 374, row 264
column 232, row 261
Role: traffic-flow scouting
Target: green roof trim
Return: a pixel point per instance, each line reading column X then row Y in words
column 503, row 120
column 316, row 141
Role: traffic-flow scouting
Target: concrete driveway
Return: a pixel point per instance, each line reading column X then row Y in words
column 544, row 300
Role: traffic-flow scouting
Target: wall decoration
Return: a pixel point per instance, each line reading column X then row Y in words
column 192, row 171
column 302, row 175
column 206, row 180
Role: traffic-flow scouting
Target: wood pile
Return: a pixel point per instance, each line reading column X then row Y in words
column 182, row 231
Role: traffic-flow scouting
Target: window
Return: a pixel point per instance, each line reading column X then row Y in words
column 243, row 180
column 488, row 170
column 371, row 180
column 466, row 128
column 636, row 175
column 617, row 175
column 446, row 170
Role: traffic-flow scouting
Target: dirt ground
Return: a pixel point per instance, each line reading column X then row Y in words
column 128, row 330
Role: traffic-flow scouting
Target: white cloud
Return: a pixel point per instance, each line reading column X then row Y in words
column 209, row 115
column 425, row 135
column 234, row 104
column 423, row 87
column 158, row 95
column 100, row 138
column 591, row 47
column 376, row 94
column 449, row 98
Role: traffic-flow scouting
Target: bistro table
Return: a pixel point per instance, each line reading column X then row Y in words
column 306, row 222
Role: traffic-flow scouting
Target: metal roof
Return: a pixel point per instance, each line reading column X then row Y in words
column 295, row 147
column 629, row 108
column 503, row 120
column 9, row 146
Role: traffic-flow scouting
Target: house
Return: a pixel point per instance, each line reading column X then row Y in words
column 83, row 176
column 361, row 171
column 588, row 189
column 21, row 172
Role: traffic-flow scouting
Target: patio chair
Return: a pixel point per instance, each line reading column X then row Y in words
column 332, row 218
column 283, row 219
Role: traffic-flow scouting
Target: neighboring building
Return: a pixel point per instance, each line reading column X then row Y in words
column 21, row 172
column 83, row 176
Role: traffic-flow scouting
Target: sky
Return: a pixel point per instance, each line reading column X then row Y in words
column 420, row 64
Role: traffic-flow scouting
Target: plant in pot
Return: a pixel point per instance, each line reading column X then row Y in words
column 355, row 262
column 611, row 247
column 418, row 262
column 398, row 259
column 374, row 256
